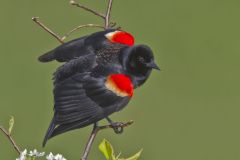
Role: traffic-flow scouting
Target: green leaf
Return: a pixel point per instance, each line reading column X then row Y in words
column 11, row 123
column 134, row 157
column 106, row 148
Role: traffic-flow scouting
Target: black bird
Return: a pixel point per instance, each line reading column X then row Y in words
column 96, row 80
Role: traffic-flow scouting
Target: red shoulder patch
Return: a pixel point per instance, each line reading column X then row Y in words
column 120, row 84
column 121, row 37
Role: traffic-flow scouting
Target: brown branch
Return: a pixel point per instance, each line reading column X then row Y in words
column 107, row 16
column 10, row 139
column 79, row 27
column 36, row 20
column 112, row 24
column 72, row 2
column 61, row 39
column 95, row 130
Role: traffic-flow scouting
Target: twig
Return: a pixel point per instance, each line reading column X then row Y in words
column 36, row 20
column 95, row 130
column 107, row 16
column 10, row 139
column 61, row 39
column 72, row 2
column 79, row 27
column 112, row 24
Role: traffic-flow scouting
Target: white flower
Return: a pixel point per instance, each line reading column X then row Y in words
column 22, row 155
column 59, row 157
column 56, row 157
column 35, row 153
column 50, row 156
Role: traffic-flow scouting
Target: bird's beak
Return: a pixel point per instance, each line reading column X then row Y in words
column 153, row 65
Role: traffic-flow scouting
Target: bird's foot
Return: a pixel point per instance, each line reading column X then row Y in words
column 117, row 126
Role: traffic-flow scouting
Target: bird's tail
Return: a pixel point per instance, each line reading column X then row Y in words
column 47, row 57
column 49, row 133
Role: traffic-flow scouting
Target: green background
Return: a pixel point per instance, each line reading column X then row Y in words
column 188, row 111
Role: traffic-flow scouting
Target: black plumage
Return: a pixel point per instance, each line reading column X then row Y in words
column 78, row 47
column 81, row 96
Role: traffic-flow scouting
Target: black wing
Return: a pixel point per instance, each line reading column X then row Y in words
column 66, row 51
column 77, row 47
column 78, row 65
column 82, row 100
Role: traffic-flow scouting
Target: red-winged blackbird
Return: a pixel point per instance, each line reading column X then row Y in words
column 98, row 78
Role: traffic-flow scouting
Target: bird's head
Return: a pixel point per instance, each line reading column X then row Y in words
column 138, row 58
column 138, row 61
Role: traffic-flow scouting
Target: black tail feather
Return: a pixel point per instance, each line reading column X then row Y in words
column 49, row 133
column 47, row 57
column 70, row 126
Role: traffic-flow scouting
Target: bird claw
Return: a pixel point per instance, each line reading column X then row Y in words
column 117, row 127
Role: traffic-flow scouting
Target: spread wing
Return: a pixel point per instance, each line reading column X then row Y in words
column 80, row 101
column 66, row 51
column 78, row 47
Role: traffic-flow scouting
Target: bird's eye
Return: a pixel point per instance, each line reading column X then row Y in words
column 141, row 59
